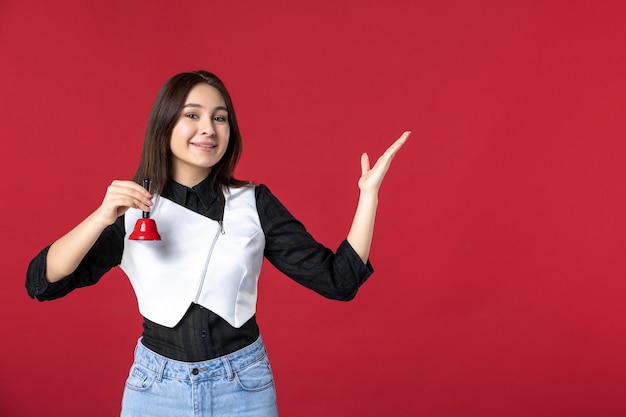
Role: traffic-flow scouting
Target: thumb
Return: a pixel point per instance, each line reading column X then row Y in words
column 365, row 163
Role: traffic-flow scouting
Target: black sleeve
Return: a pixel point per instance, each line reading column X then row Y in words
column 104, row 255
column 290, row 248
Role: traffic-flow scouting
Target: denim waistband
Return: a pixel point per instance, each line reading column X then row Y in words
column 214, row 368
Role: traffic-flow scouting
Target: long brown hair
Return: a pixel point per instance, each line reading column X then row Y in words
column 156, row 159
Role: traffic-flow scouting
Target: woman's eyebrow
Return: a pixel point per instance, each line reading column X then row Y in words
column 193, row 105
column 196, row 105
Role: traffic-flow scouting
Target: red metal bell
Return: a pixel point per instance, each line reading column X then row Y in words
column 145, row 228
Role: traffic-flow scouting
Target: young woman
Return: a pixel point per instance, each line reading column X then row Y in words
column 201, row 352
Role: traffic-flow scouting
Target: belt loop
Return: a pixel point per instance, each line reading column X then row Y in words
column 161, row 369
column 229, row 370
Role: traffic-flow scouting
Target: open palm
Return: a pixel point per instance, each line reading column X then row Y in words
column 371, row 178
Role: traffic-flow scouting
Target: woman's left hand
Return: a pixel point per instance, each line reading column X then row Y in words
column 371, row 178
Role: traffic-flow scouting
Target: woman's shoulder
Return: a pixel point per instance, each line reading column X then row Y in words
column 263, row 193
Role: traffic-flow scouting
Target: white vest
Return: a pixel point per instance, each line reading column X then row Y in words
column 197, row 261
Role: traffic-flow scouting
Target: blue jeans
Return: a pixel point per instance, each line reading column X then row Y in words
column 238, row 384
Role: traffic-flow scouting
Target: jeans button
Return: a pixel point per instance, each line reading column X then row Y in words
column 195, row 371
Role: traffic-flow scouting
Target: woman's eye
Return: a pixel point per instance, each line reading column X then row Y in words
column 220, row 119
column 191, row 115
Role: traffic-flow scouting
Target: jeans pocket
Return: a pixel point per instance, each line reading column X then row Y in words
column 140, row 379
column 256, row 377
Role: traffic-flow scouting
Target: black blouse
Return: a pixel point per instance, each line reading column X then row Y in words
column 202, row 334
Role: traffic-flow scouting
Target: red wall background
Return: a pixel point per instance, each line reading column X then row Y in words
column 499, row 280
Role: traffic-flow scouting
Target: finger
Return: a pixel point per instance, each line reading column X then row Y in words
column 390, row 152
column 131, row 190
column 122, row 202
column 365, row 163
column 128, row 194
column 384, row 161
column 395, row 147
column 131, row 185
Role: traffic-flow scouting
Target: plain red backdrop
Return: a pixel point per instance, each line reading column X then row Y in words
column 499, row 280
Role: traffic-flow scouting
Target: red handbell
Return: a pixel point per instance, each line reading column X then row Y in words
column 145, row 228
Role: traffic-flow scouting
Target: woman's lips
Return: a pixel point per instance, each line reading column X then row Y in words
column 204, row 146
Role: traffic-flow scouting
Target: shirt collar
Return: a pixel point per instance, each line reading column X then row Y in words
column 204, row 190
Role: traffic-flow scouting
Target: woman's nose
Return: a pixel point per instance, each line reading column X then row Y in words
column 207, row 127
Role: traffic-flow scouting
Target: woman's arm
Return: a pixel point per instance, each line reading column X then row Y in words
column 362, row 230
column 66, row 253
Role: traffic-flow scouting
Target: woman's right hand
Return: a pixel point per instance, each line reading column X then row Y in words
column 67, row 252
column 120, row 196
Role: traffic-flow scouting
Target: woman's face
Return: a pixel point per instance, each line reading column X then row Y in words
column 200, row 136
